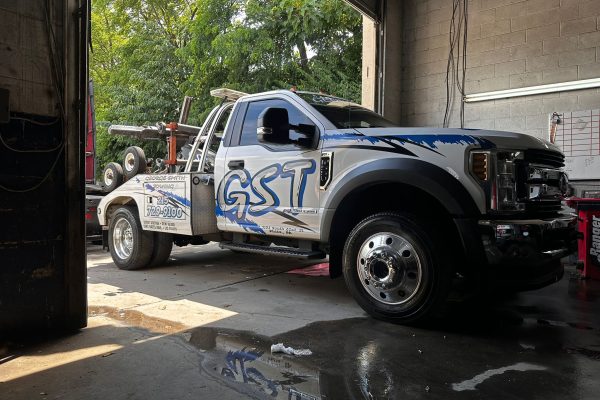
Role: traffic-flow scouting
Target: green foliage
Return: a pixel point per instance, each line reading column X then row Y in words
column 148, row 54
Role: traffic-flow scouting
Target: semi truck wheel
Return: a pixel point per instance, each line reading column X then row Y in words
column 112, row 176
column 393, row 268
column 163, row 244
column 130, row 246
column 134, row 162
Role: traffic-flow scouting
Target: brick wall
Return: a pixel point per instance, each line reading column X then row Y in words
column 512, row 44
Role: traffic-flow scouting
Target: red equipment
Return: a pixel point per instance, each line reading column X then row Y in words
column 172, row 144
column 90, row 143
column 589, row 235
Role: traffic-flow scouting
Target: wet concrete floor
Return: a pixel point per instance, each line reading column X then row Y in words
column 542, row 344
column 536, row 345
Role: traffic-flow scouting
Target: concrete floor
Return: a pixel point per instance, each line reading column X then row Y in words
column 202, row 328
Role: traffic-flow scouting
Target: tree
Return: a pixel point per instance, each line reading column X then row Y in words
column 148, row 54
column 137, row 67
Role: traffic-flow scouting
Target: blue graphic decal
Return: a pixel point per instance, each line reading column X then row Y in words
column 267, row 197
column 428, row 141
column 237, row 200
column 431, row 140
column 357, row 137
column 298, row 171
column 236, row 205
column 181, row 200
column 243, row 222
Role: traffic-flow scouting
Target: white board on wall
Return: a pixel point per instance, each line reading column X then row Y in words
column 578, row 135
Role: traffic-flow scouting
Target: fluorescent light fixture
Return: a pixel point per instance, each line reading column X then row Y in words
column 534, row 90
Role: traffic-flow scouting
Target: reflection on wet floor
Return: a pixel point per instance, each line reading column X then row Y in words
column 241, row 358
column 535, row 345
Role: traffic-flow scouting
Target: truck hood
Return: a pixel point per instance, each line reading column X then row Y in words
column 486, row 138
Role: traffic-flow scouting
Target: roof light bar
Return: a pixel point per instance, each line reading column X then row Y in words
column 534, row 90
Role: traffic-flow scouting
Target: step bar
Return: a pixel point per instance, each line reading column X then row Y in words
column 288, row 252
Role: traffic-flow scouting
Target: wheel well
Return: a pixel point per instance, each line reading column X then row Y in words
column 370, row 200
column 116, row 203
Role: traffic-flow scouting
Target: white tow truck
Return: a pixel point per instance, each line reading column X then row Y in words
column 402, row 213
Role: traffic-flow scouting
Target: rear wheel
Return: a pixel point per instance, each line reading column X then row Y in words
column 130, row 246
column 392, row 266
column 163, row 244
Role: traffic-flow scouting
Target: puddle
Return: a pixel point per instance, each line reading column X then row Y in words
column 136, row 318
column 362, row 358
column 244, row 360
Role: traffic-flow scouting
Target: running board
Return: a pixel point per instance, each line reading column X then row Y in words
column 274, row 251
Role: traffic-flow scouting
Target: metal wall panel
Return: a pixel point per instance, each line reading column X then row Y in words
column 42, row 237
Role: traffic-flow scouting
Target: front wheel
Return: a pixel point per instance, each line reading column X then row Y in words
column 130, row 246
column 393, row 267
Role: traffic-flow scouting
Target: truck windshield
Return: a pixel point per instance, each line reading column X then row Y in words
column 344, row 114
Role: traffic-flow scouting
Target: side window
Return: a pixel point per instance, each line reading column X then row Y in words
column 255, row 108
column 214, row 142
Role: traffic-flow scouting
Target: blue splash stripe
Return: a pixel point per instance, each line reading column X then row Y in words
column 357, row 137
column 429, row 140
column 244, row 222
column 181, row 200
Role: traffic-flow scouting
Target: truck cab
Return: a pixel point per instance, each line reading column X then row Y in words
column 402, row 213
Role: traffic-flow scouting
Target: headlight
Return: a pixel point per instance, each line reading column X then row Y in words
column 496, row 172
column 480, row 164
column 505, row 186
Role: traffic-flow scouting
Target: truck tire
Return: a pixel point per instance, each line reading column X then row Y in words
column 134, row 161
column 130, row 246
column 163, row 244
column 112, row 176
column 393, row 268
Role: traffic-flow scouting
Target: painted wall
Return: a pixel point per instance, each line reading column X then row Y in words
column 511, row 44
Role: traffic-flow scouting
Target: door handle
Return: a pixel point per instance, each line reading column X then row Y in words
column 236, row 164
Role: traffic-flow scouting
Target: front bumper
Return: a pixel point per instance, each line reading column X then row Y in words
column 526, row 254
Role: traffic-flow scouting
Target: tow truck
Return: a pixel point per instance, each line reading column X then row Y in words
column 402, row 213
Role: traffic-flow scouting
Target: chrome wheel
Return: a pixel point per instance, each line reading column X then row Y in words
column 123, row 238
column 129, row 162
column 389, row 268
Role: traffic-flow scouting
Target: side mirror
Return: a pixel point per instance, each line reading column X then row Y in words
column 273, row 126
column 309, row 132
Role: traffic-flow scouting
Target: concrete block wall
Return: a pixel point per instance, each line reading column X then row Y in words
column 511, row 44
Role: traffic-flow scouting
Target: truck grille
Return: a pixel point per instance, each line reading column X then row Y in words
column 543, row 207
column 539, row 180
column 545, row 157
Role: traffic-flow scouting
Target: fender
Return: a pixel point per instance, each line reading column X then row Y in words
column 428, row 177
column 108, row 201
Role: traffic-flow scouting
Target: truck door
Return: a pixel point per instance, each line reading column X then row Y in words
column 271, row 188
